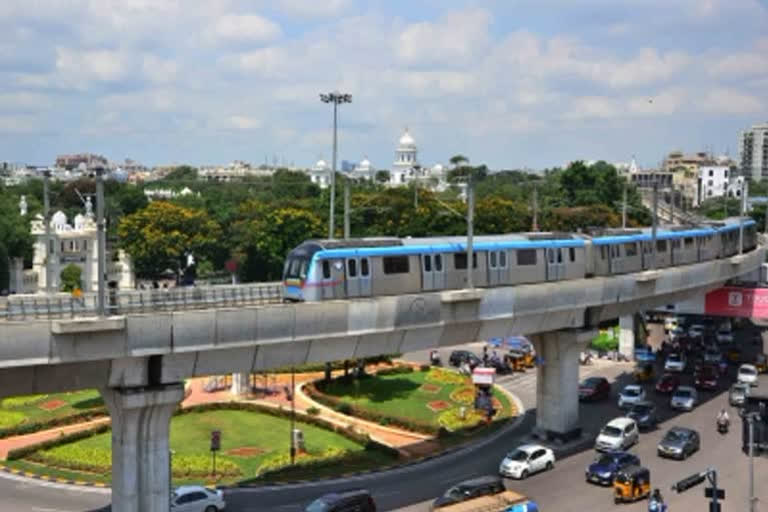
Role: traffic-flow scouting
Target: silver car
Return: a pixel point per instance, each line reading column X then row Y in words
column 684, row 398
column 196, row 498
column 738, row 394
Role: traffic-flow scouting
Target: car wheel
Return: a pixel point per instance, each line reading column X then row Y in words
column 549, row 466
column 211, row 508
column 524, row 474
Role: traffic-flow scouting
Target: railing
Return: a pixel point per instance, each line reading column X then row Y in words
column 121, row 302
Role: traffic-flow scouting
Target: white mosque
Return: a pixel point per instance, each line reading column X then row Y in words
column 404, row 170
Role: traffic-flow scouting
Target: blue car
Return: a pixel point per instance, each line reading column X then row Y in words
column 606, row 465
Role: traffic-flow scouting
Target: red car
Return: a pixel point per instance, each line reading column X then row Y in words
column 668, row 383
column 706, row 378
column 594, row 388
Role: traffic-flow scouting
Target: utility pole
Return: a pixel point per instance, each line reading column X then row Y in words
column 346, row 207
column 624, row 207
column 741, row 217
column 47, row 220
column 101, row 241
column 535, row 207
column 752, row 499
column 470, row 230
column 672, row 204
column 655, row 223
column 293, row 415
column 336, row 98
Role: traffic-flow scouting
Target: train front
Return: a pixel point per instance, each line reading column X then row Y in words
column 297, row 273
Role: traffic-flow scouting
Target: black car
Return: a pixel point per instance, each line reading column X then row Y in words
column 468, row 489
column 604, row 467
column 460, row 356
column 594, row 388
column 679, row 443
column 357, row 500
column 644, row 414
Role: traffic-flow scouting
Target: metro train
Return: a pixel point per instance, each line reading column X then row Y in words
column 320, row 270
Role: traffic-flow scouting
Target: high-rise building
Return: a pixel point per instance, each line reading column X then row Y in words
column 754, row 152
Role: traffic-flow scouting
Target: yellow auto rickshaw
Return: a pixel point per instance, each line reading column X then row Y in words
column 644, row 372
column 515, row 360
column 761, row 364
column 631, row 484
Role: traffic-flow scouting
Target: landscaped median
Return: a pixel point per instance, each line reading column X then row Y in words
column 434, row 401
column 255, row 444
column 33, row 413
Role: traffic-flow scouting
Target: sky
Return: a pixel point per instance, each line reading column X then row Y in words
column 508, row 83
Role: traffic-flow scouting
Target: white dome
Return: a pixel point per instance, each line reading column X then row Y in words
column 59, row 219
column 406, row 139
column 365, row 163
column 321, row 165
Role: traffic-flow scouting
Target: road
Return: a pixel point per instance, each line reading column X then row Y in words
column 413, row 487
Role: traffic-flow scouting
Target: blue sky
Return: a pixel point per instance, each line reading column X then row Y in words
column 511, row 83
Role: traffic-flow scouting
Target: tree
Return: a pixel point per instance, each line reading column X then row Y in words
column 460, row 173
column 595, row 184
column 182, row 173
column 383, row 176
column 495, row 215
column 71, row 278
column 265, row 236
column 719, row 208
column 578, row 218
column 458, row 160
column 160, row 237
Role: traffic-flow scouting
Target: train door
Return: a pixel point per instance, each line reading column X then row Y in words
column 494, row 266
column 555, row 265
column 353, row 281
column 333, row 279
column 616, row 261
column 364, row 276
column 427, row 272
column 438, row 271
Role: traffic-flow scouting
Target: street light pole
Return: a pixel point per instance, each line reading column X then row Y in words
column 47, row 221
column 470, row 231
column 346, row 207
column 624, row 207
column 535, row 207
column 655, row 223
column 741, row 217
column 293, row 415
column 336, row 98
column 101, row 241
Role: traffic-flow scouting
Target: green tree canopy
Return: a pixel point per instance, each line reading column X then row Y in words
column 71, row 278
column 182, row 173
column 160, row 236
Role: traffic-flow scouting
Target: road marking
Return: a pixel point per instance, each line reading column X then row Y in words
column 42, row 509
column 53, row 485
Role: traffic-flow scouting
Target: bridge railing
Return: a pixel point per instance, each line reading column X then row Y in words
column 140, row 301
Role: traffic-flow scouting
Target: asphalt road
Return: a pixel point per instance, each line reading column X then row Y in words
column 413, row 487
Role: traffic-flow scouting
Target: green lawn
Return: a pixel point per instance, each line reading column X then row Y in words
column 403, row 395
column 39, row 408
column 258, row 437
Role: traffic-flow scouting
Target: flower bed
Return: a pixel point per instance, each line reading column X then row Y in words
column 444, row 376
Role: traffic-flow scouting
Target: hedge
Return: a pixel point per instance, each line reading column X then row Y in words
column 335, row 365
column 20, row 453
column 72, row 419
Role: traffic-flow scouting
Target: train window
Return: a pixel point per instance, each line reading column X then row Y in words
column 602, row 252
column 526, row 256
column 427, row 263
column 493, row 258
column 661, row 245
column 572, row 253
column 352, row 268
column 326, row 269
column 688, row 243
column 630, row 249
column 474, row 260
column 396, row 265
column 503, row 259
column 364, row 267
column 460, row 260
column 675, row 244
column 438, row 262
column 303, row 270
column 559, row 255
column 551, row 255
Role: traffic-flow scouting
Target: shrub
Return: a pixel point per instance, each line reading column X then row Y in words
column 424, row 368
column 20, row 453
column 21, row 401
column 395, row 370
column 30, row 428
column 452, row 421
column 344, row 408
column 445, row 376
column 303, row 460
column 313, row 411
column 606, row 341
column 335, row 365
column 9, row 419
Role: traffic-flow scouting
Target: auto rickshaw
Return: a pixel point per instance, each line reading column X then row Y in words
column 515, row 360
column 761, row 364
column 631, row 484
column 644, row 372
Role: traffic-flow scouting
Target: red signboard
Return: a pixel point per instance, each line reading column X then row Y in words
column 733, row 301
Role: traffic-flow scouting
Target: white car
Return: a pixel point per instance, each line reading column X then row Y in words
column 196, row 498
column 696, row 330
column 724, row 336
column 747, row 374
column 526, row 460
column 618, row 434
column 684, row 398
column 631, row 395
column 674, row 363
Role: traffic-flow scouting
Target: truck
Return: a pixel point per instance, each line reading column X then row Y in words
column 507, row 501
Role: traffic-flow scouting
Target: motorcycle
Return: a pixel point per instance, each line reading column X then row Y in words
column 722, row 425
column 656, row 506
column 434, row 358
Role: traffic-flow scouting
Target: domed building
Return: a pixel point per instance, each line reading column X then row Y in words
column 320, row 174
column 406, row 164
column 363, row 170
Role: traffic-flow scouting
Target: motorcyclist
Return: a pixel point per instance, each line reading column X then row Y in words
column 722, row 417
column 656, row 503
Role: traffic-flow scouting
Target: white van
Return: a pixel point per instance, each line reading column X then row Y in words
column 618, row 434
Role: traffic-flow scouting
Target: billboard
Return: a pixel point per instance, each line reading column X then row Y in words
column 733, row 301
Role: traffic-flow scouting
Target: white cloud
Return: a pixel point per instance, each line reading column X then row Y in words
column 454, row 39
column 244, row 122
column 24, row 101
column 101, row 65
column 663, row 103
column 312, row 8
column 593, row 107
column 243, row 28
column 159, row 70
column 270, row 61
column 730, row 101
column 17, row 124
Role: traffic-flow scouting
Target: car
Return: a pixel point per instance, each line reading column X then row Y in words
column 644, row 414
column 706, row 378
column 604, row 467
column 679, row 443
column 747, row 374
column 196, row 498
column 630, row 395
column 713, row 356
column 359, row 500
column 696, row 330
column 594, row 388
column 684, row 398
column 526, row 460
column 667, row 383
column 724, row 336
column 617, row 434
column 468, row 489
column 458, row 357
column 737, row 395
column 675, row 363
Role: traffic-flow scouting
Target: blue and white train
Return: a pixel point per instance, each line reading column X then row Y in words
column 320, row 270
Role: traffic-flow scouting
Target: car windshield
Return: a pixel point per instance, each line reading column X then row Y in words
column 318, row 506
column 455, row 492
column 611, row 431
column 604, row 460
column 746, row 371
column 672, row 436
column 683, row 393
column 590, row 383
column 631, row 391
column 518, row 456
column 674, row 358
